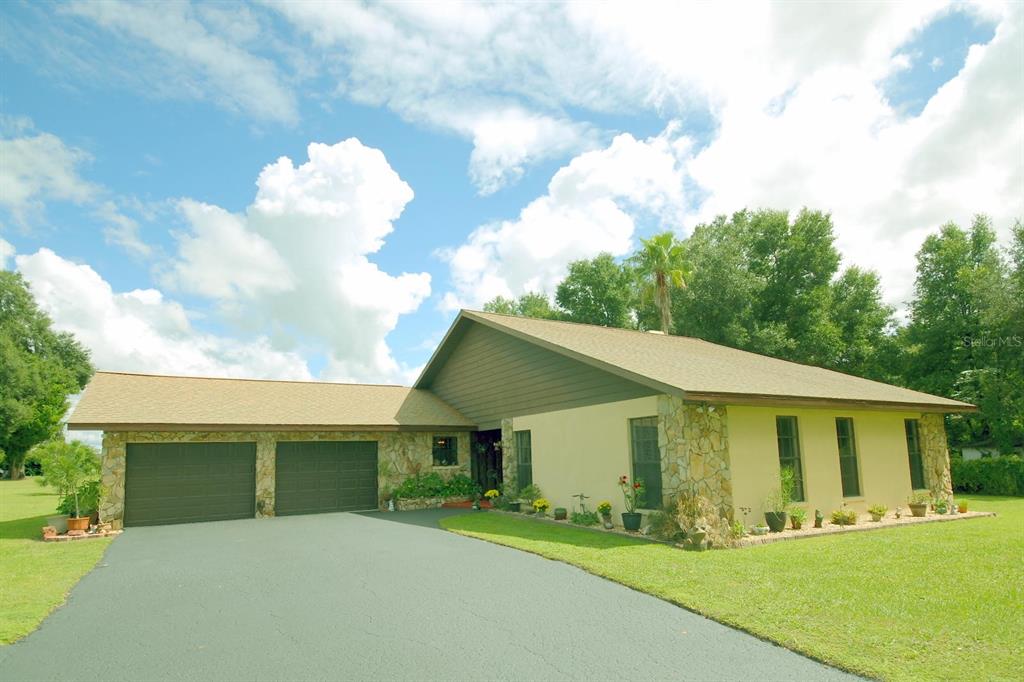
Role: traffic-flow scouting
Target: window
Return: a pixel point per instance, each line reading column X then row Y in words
column 524, row 458
column 847, row 457
column 789, row 453
column 914, row 454
column 446, row 451
column 647, row 459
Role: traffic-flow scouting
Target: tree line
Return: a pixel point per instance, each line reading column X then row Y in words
column 771, row 283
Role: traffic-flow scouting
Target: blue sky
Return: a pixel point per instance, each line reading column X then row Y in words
column 136, row 139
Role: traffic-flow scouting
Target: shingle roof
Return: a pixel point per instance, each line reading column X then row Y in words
column 706, row 371
column 134, row 401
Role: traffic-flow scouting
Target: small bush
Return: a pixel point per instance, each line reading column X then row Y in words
column 844, row 517
column 662, row 525
column 989, row 476
column 530, row 494
column 695, row 511
column 433, row 485
column 587, row 518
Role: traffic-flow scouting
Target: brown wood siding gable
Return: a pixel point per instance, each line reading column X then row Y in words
column 490, row 375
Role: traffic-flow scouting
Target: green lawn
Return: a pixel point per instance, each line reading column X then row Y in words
column 927, row 602
column 35, row 577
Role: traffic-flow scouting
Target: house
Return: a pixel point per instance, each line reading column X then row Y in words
column 569, row 407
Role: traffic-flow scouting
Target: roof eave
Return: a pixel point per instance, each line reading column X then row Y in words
column 179, row 427
column 806, row 401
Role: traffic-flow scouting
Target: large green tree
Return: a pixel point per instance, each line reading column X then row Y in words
column 660, row 267
column 596, row 291
column 39, row 368
column 963, row 338
column 528, row 305
column 771, row 284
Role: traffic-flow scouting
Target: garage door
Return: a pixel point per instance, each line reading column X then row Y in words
column 187, row 482
column 326, row 476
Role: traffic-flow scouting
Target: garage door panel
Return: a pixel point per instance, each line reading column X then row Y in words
column 326, row 476
column 188, row 482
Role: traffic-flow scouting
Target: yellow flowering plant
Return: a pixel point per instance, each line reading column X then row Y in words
column 605, row 508
column 541, row 506
column 491, row 494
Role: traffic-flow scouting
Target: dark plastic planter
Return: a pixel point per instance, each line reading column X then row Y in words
column 631, row 520
column 919, row 509
column 514, row 506
column 776, row 521
column 561, row 513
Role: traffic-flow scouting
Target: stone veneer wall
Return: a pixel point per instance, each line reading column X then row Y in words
column 694, row 443
column 400, row 454
column 935, row 456
column 509, row 462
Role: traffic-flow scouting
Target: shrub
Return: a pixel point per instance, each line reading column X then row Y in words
column 433, row 485
column 530, row 494
column 989, row 476
column 585, row 518
column 662, row 525
column 694, row 511
column 844, row 517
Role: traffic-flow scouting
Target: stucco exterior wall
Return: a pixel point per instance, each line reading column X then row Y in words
column 399, row 456
column 583, row 450
column 881, row 457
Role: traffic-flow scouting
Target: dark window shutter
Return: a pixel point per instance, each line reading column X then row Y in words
column 524, row 458
column 647, row 459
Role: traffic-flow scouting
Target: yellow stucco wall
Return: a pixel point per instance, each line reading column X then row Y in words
column 881, row 457
column 584, row 450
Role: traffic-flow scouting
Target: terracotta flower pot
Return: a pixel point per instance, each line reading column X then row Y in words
column 78, row 523
column 962, row 507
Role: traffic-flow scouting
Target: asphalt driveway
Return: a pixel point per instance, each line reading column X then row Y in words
column 361, row 597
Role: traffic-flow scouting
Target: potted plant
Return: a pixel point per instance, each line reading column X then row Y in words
column 797, row 516
column 561, row 513
column 541, row 506
column 760, row 530
column 961, row 506
column 492, row 495
column 918, row 503
column 844, row 517
column 631, row 494
column 69, row 467
column 941, row 506
column 779, row 501
column 877, row 512
column 604, row 509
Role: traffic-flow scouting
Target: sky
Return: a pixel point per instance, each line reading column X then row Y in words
column 313, row 191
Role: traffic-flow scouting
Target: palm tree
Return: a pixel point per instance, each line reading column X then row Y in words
column 661, row 266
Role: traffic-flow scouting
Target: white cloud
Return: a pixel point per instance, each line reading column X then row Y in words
column 121, row 230
column 203, row 55
column 6, row 251
column 40, row 167
column 140, row 330
column 839, row 146
column 297, row 260
column 592, row 205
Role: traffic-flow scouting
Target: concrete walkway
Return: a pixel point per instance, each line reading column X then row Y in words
column 360, row 597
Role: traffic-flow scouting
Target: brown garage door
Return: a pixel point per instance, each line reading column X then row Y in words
column 188, row 482
column 326, row 476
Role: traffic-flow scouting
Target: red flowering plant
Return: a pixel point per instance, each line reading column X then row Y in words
column 632, row 493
